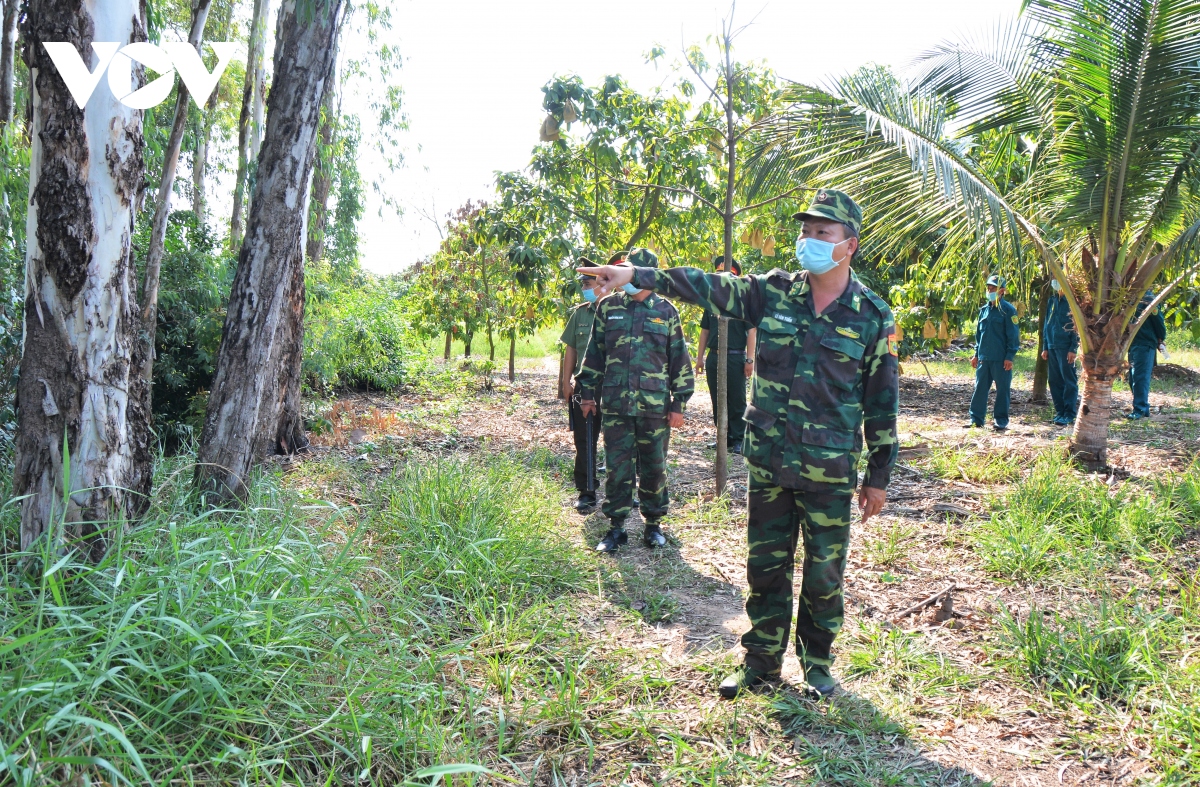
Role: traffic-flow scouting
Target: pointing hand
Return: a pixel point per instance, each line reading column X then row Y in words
column 608, row 277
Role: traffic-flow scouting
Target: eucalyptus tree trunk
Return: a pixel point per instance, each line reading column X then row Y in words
column 200, row 161
column 249, row 120
column 83, row 434
column 254, row 407
column 162, row 209
column 1041, row 368
column 322, row 181
column 8, row 60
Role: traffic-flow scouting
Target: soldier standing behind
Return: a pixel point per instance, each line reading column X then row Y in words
column 997, row 339
column 1062, row 342
column 1143, row 356
column 585, row 429
column 638, row 360
column 741, row 363
column 826, row 376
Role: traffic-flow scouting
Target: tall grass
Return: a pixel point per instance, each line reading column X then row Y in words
column 1059, row 523
column 267, row 645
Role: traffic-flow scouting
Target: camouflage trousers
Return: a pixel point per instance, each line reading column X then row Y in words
column 635, row 449
column 778, row 519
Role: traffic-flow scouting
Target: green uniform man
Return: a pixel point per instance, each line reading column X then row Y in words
column 638, row 360
column 825, row 381
column 584, row 429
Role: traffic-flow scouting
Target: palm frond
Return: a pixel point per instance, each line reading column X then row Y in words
column 993, row 78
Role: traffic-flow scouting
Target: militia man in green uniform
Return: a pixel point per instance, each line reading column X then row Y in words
column 740, row 349
column 825, row 380
column 585, row 429
column 638, row 361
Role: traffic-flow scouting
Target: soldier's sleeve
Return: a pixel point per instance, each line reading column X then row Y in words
column 881, row 404
column 569, row 331
column 679, row 368
column 740, row 297
column 978, row 332
column 1012, row 336
column 591, row 375
column 1069, row 327
column 1159, row 325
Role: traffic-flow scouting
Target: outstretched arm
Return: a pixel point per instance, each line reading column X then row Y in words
column 740, row 297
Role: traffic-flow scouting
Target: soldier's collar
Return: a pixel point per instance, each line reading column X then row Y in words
column 851, row 297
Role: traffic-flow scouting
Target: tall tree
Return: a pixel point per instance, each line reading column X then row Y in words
column 82, row 453
column 741, row 100
column 250, row 118
column 322, row 181
column 8, row 59
column 1109, row 93
column 162, row 208
column 254, row 407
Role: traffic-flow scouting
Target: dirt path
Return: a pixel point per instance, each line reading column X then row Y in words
column 690, row 596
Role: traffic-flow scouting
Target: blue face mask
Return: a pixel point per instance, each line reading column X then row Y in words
column 816, row 256
column 993, row 296
column 629, row 288
column 1054, row 285
column 589, row 295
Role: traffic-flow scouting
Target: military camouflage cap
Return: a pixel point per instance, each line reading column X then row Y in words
column 996, row 280
column 642, row 258
column 835, row 206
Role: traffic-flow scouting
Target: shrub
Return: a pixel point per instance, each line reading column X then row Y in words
column 357, row 332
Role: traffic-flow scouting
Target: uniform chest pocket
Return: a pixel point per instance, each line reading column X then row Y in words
column 656, row 333
column 841, row 360
column 616, row 329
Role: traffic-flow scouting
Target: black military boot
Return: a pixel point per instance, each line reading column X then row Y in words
column 653, row 536
column 614, row 539
column 586, row 503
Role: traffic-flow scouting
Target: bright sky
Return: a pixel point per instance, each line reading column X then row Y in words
column 473, row 72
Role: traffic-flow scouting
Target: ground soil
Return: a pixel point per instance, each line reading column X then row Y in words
column 994, row 730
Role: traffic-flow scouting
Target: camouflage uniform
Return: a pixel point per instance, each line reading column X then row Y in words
column 639, row 361
column 821, row 383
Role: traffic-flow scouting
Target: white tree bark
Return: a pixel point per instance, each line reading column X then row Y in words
column 78, row 386
column 254, row 407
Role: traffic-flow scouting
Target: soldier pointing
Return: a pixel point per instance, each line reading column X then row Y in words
column 825, row 380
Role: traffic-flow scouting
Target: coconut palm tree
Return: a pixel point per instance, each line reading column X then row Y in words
column 1100, row 103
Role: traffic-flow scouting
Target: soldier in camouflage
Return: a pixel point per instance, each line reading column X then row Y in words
column 638, row 360
column 825, row 380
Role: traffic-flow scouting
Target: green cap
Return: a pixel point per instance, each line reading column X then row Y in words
column 642, row 258
column 996, row 280
column 835, row 206
column 584, row 262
